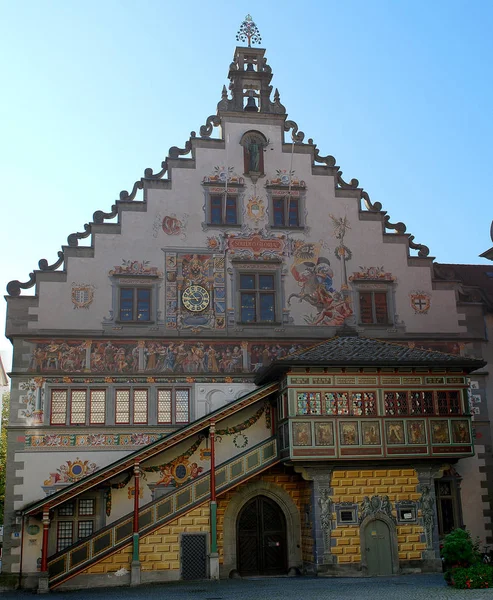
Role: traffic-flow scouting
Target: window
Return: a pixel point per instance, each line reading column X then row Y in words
column 346, row 513
column 65, row 535
column 257, row 297
column 86, row 507
column 373, row 308
column 135, row 304
column 448, row 502
column 448, row 403
column 123, row 409
column 66, row 510
column 79, row 411
column 58, row 406
column 422, row 403
column 78, row 407
column 223, row 209
column 97, row 410
column 356, row 403
column 85, row 528
column 173, row 406
column 285, row 211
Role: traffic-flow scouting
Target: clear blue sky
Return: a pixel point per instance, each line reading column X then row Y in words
column 96, row 91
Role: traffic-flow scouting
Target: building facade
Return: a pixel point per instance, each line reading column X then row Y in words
column 176, row 410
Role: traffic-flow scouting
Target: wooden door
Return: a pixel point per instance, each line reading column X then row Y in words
column 378, row 548
column 261, row 538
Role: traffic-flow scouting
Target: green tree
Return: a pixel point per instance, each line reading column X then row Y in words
column 3, row 449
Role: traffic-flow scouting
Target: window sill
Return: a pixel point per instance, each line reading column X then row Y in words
column 118, row 322
column 259, row 324
column 291, row 227
column 225, row 225
column 375, row 325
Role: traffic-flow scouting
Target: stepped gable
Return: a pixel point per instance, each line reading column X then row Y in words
column 361, row 351
column 249, row 78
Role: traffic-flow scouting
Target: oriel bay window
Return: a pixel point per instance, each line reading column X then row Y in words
column 422, row 403
column 135, row 304
column 257, row 295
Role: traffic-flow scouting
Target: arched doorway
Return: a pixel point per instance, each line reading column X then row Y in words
column 261, row 538
column 378, row 548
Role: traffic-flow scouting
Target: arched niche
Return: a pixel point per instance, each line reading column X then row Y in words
column 253, row 143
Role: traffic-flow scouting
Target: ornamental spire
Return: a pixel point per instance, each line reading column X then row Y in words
column 248, row 32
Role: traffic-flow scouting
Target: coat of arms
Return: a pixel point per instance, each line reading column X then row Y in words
column 256, row 209
column 82, row 295
column 421, row 302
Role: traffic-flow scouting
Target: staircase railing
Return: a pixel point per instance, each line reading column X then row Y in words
column 74, row 559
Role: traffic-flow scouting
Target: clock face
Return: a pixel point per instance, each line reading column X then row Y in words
column 195, row 298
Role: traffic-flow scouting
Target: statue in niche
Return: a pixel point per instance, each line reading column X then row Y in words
column 253, row 152
column 254, row 156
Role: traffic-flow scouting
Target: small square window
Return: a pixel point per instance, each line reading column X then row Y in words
column 86, row 507
column 223, row 209
column 85, row 529
column 346, row 513
column 66, row 510
column 347, row 516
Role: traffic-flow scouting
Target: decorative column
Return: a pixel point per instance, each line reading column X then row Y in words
column 427, row 504
column 213, row 555
column 322, row 508
column 38, row 406
column 44, row 582
column 135, row 567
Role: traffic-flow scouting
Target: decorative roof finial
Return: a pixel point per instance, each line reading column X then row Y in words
column 248, row 31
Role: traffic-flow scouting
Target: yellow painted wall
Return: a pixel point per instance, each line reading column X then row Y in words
column 160, row 549
column 353, row 486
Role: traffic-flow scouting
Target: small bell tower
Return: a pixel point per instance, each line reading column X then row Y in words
column 250, row 77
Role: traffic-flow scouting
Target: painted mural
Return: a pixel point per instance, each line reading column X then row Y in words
column 136, row 267
column 93, row 441
column 67, row 473
column 314, row 276
column 165, row 357
column 284, row 177
column 223, row 174
column 172, row 225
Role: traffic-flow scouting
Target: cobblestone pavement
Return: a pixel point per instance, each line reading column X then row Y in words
column 407, row 587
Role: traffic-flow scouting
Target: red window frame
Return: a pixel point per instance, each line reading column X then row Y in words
column 117, row 391
column 452, row 405
column 72, row 391
column 188, row 405
column 91, row 422
column 66, row 392
column 146, row 390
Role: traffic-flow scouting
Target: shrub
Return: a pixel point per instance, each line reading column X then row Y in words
column 477, row 576
column 459, row 550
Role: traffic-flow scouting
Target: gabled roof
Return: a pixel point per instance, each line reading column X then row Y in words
column 361, row 351
column 477, row 281
column 147, row 452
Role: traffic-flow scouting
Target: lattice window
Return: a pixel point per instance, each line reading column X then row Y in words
column 330, row 403
column 85, row 528
column 65, row 535
column 342, row 400
column 97, row 407
column 86, row 507
column 78, row 407
column 363, row 403
column 182, row 406
column 58, row 407
column 309, row 403
column 140, row 406
column 122, row 406
column 164, row 406
column 448, row 403
column 66, row 510
column 396, row 403
column 421, row 403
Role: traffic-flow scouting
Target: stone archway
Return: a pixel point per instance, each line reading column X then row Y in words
column 394, row 550
column 238, row 501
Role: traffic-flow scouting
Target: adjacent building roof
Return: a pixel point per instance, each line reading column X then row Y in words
column 477, row 281
column 361, row 351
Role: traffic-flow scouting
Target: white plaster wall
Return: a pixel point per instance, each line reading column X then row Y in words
column 141, row 240
column 211, row 396
column 39, row 465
